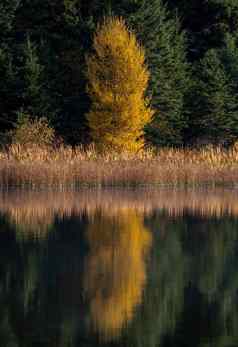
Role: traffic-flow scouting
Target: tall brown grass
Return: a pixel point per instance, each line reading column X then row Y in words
column 34, row 166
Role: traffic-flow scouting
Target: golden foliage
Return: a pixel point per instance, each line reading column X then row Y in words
column 116, row 270
column 118, row 79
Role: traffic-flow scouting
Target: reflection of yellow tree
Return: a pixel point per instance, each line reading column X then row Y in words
column 116, row 270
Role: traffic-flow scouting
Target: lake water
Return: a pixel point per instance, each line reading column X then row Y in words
column 124, row 268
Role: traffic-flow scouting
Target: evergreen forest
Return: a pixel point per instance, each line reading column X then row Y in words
column 191, row 52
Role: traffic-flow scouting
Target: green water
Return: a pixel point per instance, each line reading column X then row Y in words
column 119, row 268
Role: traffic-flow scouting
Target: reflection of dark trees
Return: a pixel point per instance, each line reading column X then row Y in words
column 192, row 288
column 41, row 286
column 210, row 310
column 191, row 283
column 166, row 277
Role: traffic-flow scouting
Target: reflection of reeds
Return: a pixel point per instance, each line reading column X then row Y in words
column 34, row 166
column 31, row 222
column 33, row 212
column 67, row 203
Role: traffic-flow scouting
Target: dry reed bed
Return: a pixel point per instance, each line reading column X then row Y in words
column 34, row 166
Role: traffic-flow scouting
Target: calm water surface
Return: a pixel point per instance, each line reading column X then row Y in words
column 119, row 268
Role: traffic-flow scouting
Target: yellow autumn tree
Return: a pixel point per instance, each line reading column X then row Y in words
column 118, row 80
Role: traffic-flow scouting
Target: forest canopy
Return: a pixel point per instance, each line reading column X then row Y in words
column 191, row 51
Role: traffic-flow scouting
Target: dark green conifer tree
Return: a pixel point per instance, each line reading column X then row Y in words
column 207, row 22
column 33, row 93
column 7, row 15
column 165, row 46
column 214, row 117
